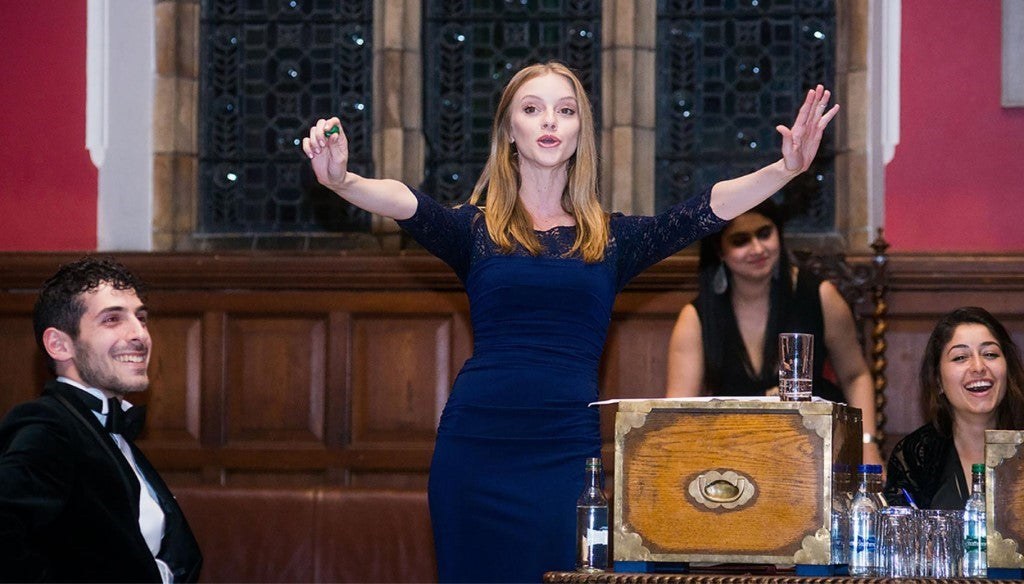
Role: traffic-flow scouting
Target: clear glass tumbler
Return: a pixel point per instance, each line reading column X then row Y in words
column 898, row 542
column 941, row 542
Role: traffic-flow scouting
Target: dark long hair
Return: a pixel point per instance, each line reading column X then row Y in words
column 715, row 309
column 1009, row 412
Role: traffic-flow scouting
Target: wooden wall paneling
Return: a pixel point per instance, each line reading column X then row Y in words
column 401, row 371
column 273, row 474
column 275, row 381
column 213, row 426
column 411, row 479
column 636, row 352
column 173, row 399
column 400, row 321
column 403, row 361
column 338, row 392
column 22, row 368
column 905, row 338
column 462, row 349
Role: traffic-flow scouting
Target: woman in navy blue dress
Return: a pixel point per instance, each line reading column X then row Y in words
column 541, row 263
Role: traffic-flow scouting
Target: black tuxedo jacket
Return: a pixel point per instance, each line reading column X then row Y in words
column 69, row 501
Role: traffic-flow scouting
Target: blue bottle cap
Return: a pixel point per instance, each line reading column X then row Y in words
column 870, row 468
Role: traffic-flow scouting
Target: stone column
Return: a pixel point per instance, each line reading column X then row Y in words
column 398, row 101
column 629, row 31
column 175, row 124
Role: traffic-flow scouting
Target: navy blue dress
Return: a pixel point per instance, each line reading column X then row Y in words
column 508, row 461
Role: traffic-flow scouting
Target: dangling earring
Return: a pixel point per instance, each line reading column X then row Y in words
column 720, row 282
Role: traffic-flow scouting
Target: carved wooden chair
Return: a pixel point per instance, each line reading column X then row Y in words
column 864, row 285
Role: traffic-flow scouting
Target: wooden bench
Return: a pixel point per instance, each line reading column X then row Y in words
column 310, row 534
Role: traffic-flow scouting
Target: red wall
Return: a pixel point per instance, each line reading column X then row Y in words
column 957, row 180
column 955, row 184
column 47, row 181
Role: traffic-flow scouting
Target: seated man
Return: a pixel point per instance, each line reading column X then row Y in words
column 78, row 501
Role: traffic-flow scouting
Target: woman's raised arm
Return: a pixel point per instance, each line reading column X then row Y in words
column 731, row 198
column 327, row 148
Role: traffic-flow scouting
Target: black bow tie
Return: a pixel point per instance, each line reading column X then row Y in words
column 126, row 423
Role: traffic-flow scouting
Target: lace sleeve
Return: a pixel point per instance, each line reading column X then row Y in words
column 446, row 233
column 898, row 476
column 645, row 241
column 916, row 465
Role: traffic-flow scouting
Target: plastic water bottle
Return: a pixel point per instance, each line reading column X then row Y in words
column 592, row 522
column 875, row 486
column 862, row 557
column 975, row 563
column 840, row 524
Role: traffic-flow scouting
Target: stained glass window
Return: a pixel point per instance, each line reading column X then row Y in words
column 728, row 72
column 269, row 70
column 471, row 49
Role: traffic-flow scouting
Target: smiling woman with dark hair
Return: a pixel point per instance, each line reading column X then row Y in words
column 725, row 341
column 971, row 380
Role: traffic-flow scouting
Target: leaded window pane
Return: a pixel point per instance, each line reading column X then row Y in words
column 471, row 49
column 270, row 68
column 728, row 72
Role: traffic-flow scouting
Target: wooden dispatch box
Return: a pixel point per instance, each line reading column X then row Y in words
column 729, row 481
column 1004, row 498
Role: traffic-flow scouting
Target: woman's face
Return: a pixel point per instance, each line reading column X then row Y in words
column 972, row 369
column 545, row 121
column 750, row 246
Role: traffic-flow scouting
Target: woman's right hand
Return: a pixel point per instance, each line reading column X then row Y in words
column 328, row 154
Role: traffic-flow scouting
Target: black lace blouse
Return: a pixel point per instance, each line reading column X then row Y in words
column 927, row 465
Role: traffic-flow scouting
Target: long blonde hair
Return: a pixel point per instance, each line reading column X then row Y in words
column 508, row 222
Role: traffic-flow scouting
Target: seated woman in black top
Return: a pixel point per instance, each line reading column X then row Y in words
column 972, row 380
column 726, row 341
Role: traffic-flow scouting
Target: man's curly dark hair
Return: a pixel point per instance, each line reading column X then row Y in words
column 60, row 303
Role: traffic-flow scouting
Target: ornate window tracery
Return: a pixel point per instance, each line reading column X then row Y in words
column 728, row 72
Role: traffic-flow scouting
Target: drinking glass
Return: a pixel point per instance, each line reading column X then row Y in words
column 796, row 366
column 897, row 542
column 941, row 542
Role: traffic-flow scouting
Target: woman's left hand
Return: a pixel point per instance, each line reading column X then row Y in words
column 800, row 143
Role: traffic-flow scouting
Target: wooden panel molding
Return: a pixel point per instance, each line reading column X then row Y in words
column 275, row 380
column 22, row 372
column 173, row 400
column 401, row 376
column 316, row 369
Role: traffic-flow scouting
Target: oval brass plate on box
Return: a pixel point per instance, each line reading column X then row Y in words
column 728, row 489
